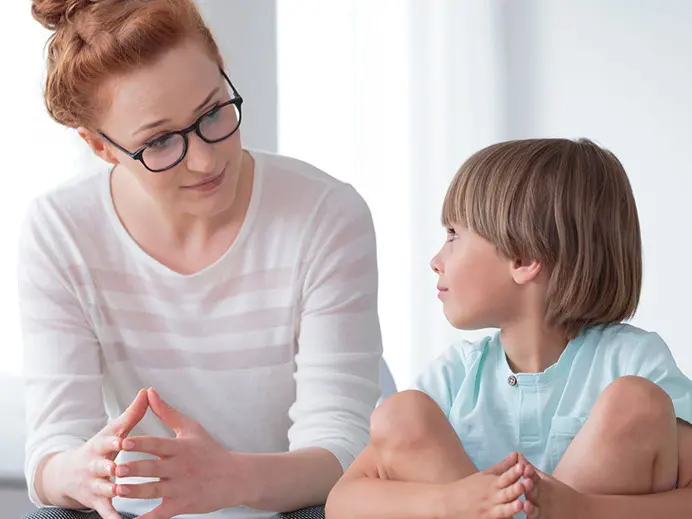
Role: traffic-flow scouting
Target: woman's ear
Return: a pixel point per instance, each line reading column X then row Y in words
column 98, row 145
column 525, row 271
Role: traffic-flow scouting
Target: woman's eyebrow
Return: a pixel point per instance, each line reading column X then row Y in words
column 154, row 124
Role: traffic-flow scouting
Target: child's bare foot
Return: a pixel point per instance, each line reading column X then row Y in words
column 496, row 491
column 547, row 497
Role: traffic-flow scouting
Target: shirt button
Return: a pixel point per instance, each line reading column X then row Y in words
column 512, row 380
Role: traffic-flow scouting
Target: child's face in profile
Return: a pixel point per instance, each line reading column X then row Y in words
column 475, row 281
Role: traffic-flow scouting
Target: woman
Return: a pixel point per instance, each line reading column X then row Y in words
column 241, row 286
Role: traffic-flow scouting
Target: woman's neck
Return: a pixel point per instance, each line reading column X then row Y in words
column 193, row 230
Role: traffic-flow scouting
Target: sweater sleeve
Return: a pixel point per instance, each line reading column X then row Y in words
column 62, row 369
column 339, row 340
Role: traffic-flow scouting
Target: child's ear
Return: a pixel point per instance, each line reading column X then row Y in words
column 525, row 270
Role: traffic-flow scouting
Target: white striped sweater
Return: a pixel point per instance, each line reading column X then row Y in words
column 274, row 347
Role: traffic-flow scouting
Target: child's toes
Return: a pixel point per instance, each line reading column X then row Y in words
column 510, row 493
column 531, row 510
column 530, row 488
column 508, row 510
column 510, row 476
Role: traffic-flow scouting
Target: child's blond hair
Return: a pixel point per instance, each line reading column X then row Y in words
column 567, row 204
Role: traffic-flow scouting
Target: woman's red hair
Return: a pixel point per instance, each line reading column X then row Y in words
column 95, row 40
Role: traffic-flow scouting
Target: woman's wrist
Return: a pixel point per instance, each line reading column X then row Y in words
column 51, row 481
column 239, row 481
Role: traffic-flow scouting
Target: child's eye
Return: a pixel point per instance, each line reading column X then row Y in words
column 451, row 234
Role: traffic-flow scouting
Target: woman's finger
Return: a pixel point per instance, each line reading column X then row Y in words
column 102, row 468
column 123, row 425
column 152, row 490
column 142, row 468
column 104, row 444
column 161, row 447
column 105, row 509
column 103, row 487
column 510, row 476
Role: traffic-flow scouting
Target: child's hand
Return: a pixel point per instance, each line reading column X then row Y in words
column 549, row 498
column 491, row 494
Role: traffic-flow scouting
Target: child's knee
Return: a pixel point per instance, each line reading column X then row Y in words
column 634, row 402
column 404, row 419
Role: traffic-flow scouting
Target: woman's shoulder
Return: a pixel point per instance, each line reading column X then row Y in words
column 73, row 207
column 76, row 194
column 296, row 183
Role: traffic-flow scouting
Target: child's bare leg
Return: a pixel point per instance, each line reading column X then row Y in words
column 414, row 441
column 628, row 445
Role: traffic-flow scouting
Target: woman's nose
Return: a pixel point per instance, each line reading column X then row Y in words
column 201, row 155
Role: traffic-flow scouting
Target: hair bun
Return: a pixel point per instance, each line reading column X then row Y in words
column 54, row 13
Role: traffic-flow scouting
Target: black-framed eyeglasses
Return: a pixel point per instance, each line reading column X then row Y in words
column 169, row 149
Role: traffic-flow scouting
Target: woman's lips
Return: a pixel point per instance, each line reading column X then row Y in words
column 208, row 184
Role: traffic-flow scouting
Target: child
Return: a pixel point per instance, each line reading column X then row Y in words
column 565, row 412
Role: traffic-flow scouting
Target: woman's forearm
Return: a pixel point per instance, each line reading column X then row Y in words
column 49, row 481
column 372, row 498
column 288, row 481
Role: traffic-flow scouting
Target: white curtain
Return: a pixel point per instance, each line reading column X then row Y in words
column 392, row 96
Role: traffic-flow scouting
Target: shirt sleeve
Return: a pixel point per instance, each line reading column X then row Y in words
column 339, row 339
column 443, row 378
column 654, row 361
column 61, row 371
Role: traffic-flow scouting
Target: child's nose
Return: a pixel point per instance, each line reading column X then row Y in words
column 436, row 264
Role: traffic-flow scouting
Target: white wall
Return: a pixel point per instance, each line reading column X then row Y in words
column 246, row 33
column 393, row 96
column 619, row 72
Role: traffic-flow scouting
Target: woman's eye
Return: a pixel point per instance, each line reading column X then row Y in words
column 213, row 114
column 161, row 142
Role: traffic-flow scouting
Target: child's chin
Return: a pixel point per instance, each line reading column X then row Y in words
column 462, row 323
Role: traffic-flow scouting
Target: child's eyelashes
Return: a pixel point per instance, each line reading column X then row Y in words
column 451, row 234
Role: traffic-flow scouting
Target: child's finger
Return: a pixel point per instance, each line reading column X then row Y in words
column 510, row 476
column 510, row 493
column 507, row 510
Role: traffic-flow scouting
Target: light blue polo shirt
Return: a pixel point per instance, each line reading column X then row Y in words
column 495, row 411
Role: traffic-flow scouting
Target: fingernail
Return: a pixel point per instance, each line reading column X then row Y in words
column 129, row 444
column 123, row 491
column 121, row 472
column 116, row 443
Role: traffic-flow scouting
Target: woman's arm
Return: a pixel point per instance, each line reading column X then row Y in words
column 339, row 351
column 62, row 368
